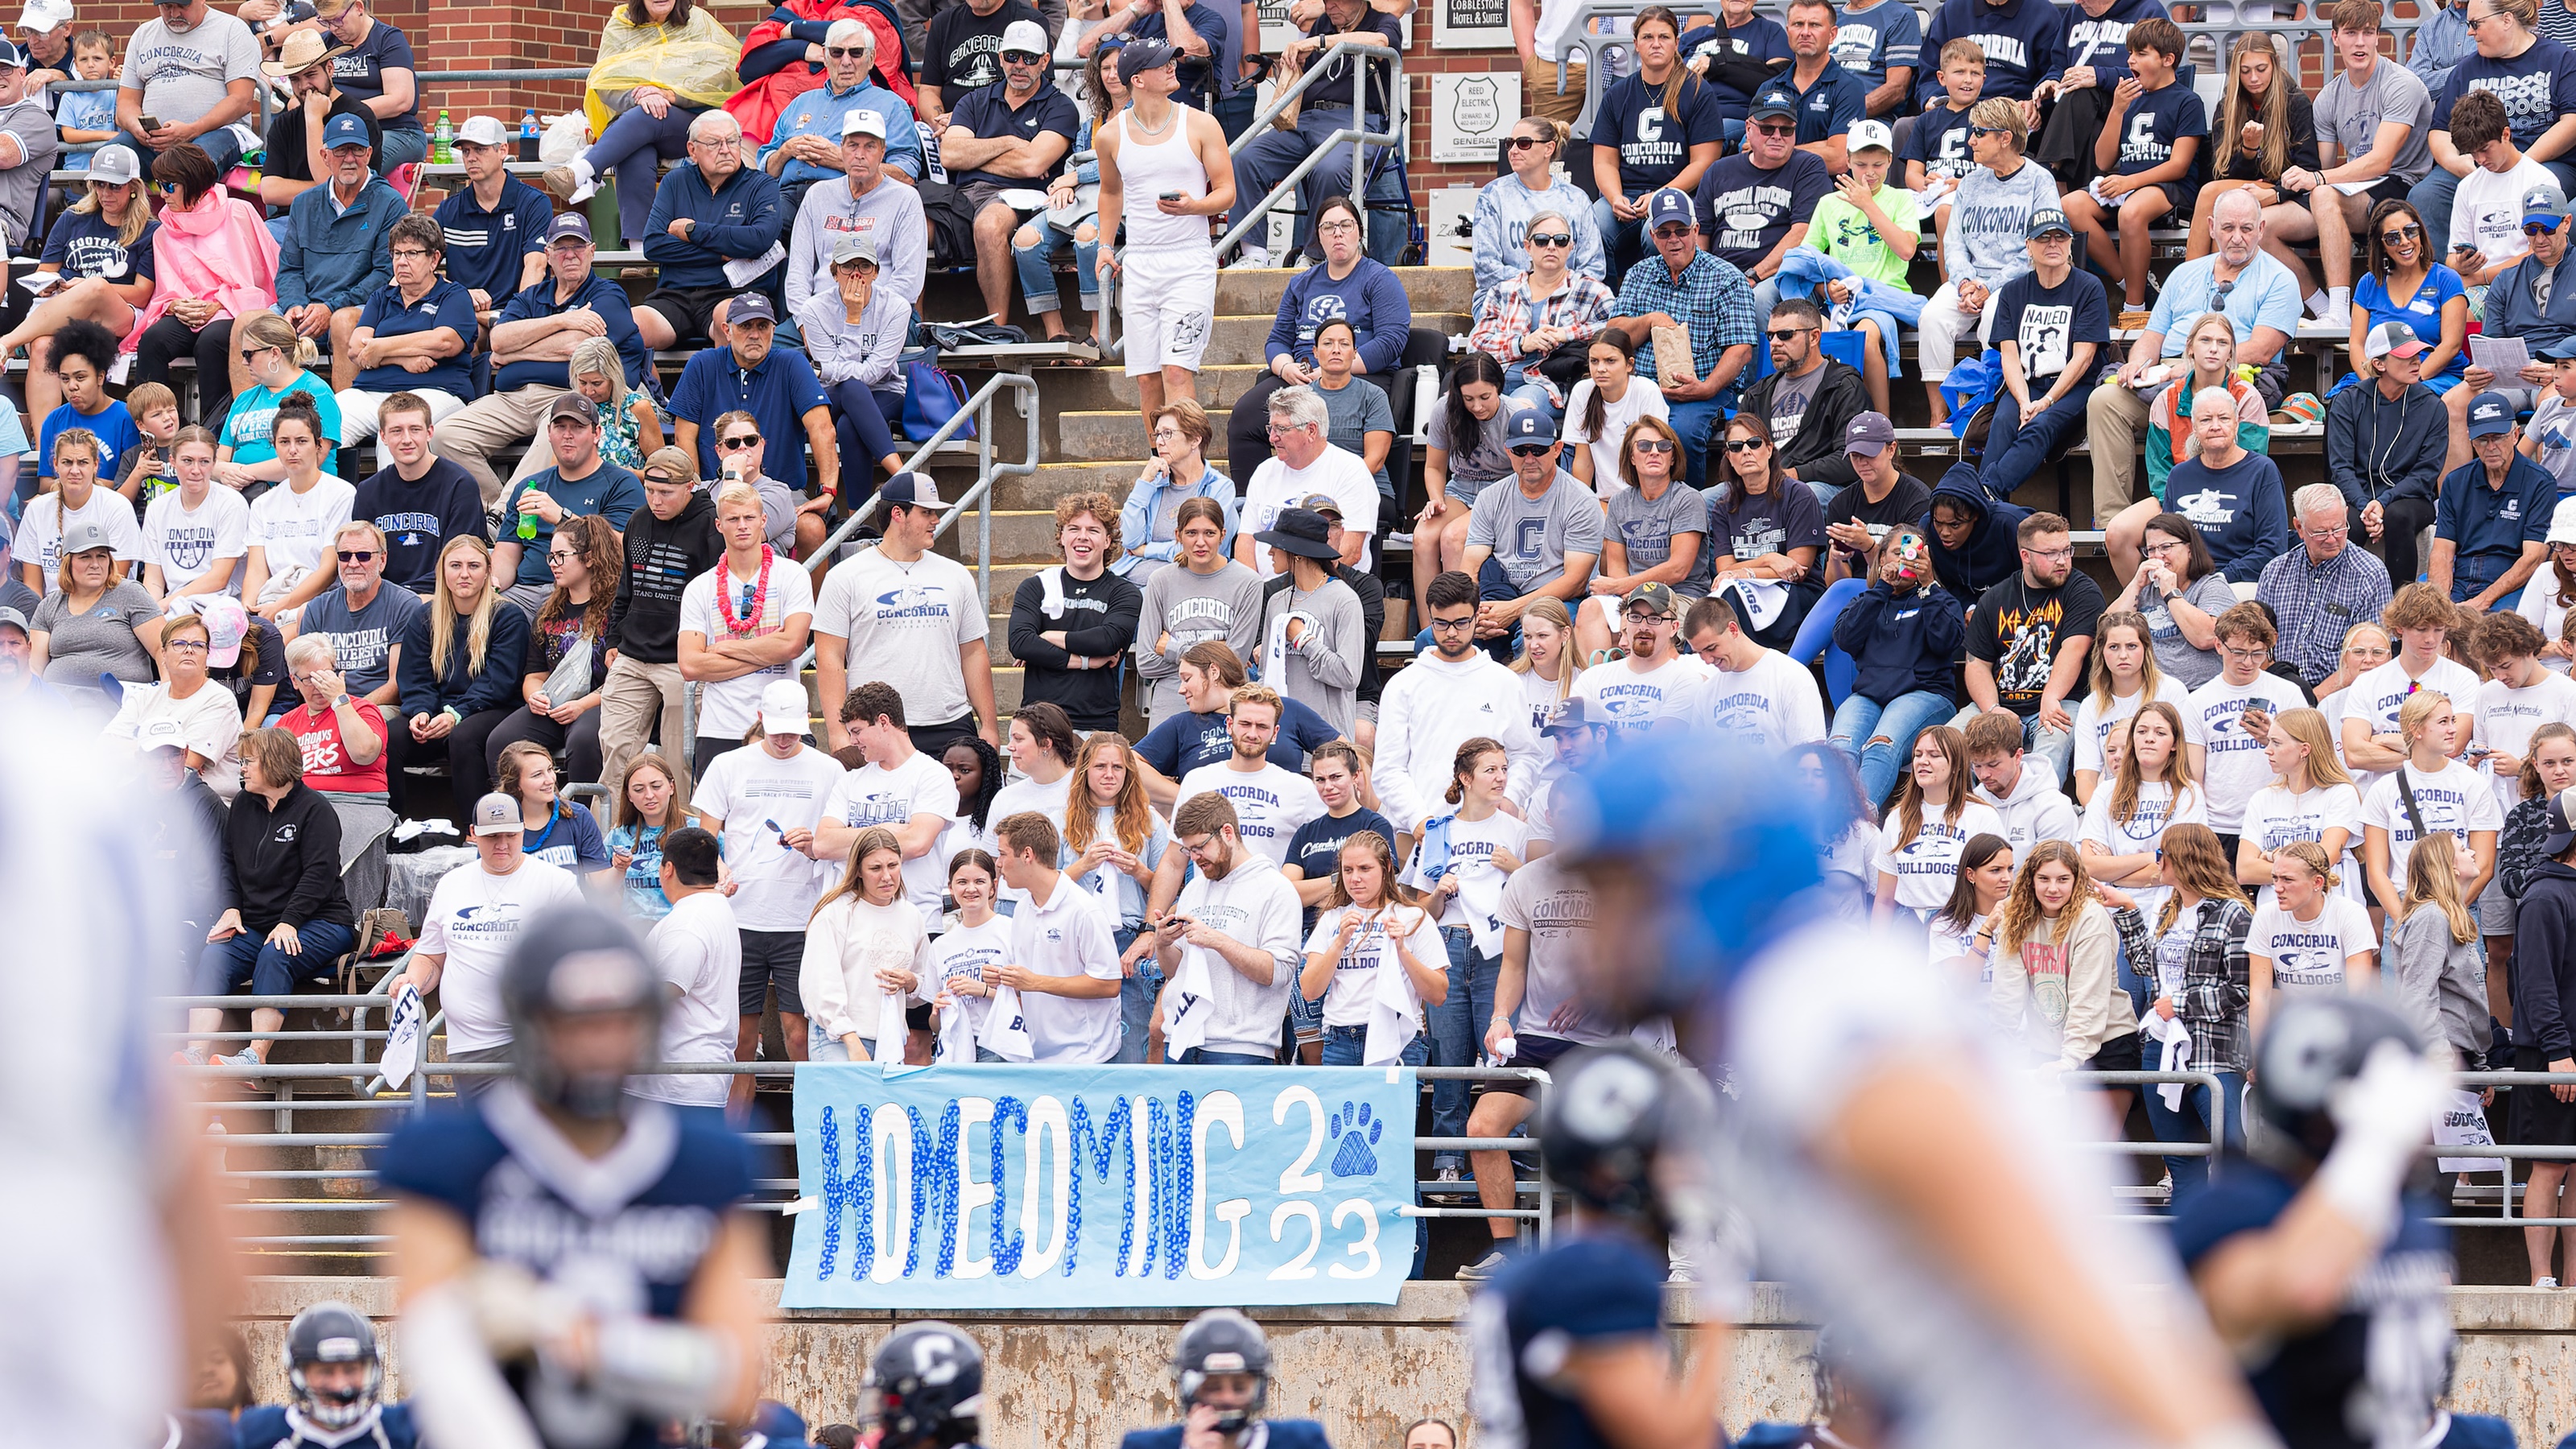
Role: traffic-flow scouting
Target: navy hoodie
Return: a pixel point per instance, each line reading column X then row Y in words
column 1903, row 642
column 2024, row 42
column 1992, row 554
column 2103, row 43
column 2544, row 966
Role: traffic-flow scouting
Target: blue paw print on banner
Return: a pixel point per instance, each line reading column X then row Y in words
column 1359, row 1133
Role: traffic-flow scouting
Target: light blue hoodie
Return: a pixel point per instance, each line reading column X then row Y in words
column 1504, row 207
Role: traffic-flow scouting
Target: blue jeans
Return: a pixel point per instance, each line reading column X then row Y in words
column 402, row 148
column 2055, row 746
column 247, row 956
column 1880, row 737
column 1692, row 420
column 219, row 144
column 1136, row 996
column 1262, row 165
column 1202, row 1057
column 1457, row 1035
column 864, row 421
column 1305, row 1016
column 634, row 147
column 2031, row 442
column 1036, row 262
column 1346, row 1046
column 1524, row 390
column 1805, row 269
column 2191, row 1124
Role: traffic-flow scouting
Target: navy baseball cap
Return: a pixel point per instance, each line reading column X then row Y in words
column 567, row 224
column 2489, row 414
column 345, row 130
column 1669, row 205
column 1143, row 55
column 2044, row 220
column 1528, row 431
column 1773, row 102
column 751, row 307
column 914, row 490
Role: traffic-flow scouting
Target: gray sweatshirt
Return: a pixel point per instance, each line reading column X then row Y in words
column 892, row 211
column 2441, row 983
column 1989, row 219
column 1192, row 609
column 1323, row 667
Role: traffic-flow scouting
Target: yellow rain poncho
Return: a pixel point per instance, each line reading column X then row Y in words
column 693, row 61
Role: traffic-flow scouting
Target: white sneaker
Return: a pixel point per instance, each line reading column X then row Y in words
column 2339, row 318
column 1252, row 257
column 1448, row 1183
column 1485, row 1267
column 2546, row 1283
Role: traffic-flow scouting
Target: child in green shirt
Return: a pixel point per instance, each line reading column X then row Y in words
column 1859, row 244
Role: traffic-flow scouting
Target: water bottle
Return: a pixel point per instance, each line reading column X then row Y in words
column 444, row 152
column 528, row 135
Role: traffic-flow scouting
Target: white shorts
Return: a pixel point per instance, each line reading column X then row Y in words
column 1167, row 307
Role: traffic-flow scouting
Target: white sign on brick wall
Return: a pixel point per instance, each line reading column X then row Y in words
column 1471, row 24
column 1471, row 114
column 1450, row 245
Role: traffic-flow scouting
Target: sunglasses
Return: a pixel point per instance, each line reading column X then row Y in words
column 2396, row 234
column 2532, row 230
column 1788, row 334
column 1021, row 57
column 1523, row 143
column 1672, row 229
column 251, row 352
column 736, row 445
column 166, row 188
column 1650, row 445
column 1745, row 445
column 843, row 52
column 357, row 555
column 1988, row 131
column 1551, row 239
column 1776, row 129
column 1539, row 450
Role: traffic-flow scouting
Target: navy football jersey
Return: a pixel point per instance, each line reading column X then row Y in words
column 625, row 1232
column 282, row 1426
column 2371, row 1375
column 1584, row 1292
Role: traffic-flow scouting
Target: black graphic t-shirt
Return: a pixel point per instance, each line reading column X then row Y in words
column 2017, row 630
column 1745, row 210
column 2046, row 323
column 2154, row 122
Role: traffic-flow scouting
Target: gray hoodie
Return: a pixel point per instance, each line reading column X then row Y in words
column 1323, row 669
column 1256, row 906
column 1990, row 222
column 2036, row 810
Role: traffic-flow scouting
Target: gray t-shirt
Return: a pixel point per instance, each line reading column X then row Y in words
column 1789, row 399
column 2350, row 117
column 1356, row 411
column 83, row 646
column 1471, row 468
column 1193, row 609
column 1530, row 537
column 34, row 128
column 365, row 640
column 2213, row 595
column 1645, row 529
column 182, row 77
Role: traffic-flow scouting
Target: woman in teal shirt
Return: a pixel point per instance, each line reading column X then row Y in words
column 648, row 808
column 243, row 455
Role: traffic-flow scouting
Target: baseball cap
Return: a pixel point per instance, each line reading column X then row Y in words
column 1869, row 434
column 1658, row 597
column 45, row 14
column 1025, row 35
column 1574, row 714
column 2555, row 351
column 497, row 814
column 2562, row 529
column 481, row 131
column 863, row 122
column 914, row 490
column 2561, row 833
column 782, row 707
column 1143, row 55
column 9, row 55
column 1527, row 428
column 1323, row 503
column 226, row 622
column 84, row 536
column 669, row 465
column 568, row 223
column 574, row 405
column 1866, row 135
column 2392, row 339
column 11, row 618
column 1669, row 204
column 114, row 166
column 750, row 307
column 846, row 30
column 2044, row 220
column 2490, row 414
column 1773, row 102
column 344, row 130
column 165, row 733
column 2544, row 204
column 855, row 247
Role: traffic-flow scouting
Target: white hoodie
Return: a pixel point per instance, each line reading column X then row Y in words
column 2036, row 810
column 848, row 942
column 1209, row 1003
column 1429, row 709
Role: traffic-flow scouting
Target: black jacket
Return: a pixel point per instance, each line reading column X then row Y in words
column 284, row 862
column 661, row 558
column 2379, row 451
column 2544, row 962
column 505, row 658
column 1099, row 622
column 1816, row 455
column 1372, row 592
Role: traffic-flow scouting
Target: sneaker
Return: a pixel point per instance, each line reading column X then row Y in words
column 2545, row 1283
column 1448, row 1182
column 570, row 184
column 246, row 1059
column 194, row 1056
column 2338, row 318
column 1485, row 1267
column 1249, row 258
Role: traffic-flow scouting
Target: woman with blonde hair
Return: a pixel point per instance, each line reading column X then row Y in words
column 865, row 954
column 2435, row 967
column 1548, row 661
column 2548, row 767
column 1510, row 206
column 2122, row 675
column 1114, row 848
column 93, row 623
column 1369, row 923
column 649, row 808
column 1927, row 824
column 2055, row 957
column 2200, row 973
column 1460, row 864
column 460, row 671
column 2428, row 793
column 555, row 831
column 2154, row 790
column 2311, row 798
column 2309, row 936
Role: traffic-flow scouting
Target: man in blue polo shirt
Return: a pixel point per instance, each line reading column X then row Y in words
column 1007, row 137
column 580, row 482
column 335, row 254
column 532, row 340
column 1830, row 98
column 806, row 146
column 416, row 335
column 496, row 225
column 777, row 386
column 2491, row 525
column 716, row 229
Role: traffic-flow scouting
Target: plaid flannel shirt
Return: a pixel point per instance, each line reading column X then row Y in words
column 1580, row 306
column 2319, row 603
column 1708, row 291
column 2216, row 986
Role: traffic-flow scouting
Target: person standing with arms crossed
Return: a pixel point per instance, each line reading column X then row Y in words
column 1164, row 171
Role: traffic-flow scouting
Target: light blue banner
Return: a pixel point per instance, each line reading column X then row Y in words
column 1154, row 1186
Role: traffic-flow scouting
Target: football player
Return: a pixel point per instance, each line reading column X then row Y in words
column 334, row 1380
column 1221, row 1375
column 924, row 1389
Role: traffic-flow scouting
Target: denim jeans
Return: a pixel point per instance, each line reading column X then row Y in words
column 1692, row 420
column 1805, row 269
column 2055, row 746
column 1265, row 162
column 2190, row 1123
column 1305, row 1017
column 1880, row 737
column 1347, row 1046
column 634, row 146
column 1524, row 390
column 1458, row 1033
column 1036, row 261
column 1136, row 996
column 2015, row 449
column 1202, row 1057
column 247, row 956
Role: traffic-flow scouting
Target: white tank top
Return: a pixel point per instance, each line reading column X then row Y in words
column 1148, row 169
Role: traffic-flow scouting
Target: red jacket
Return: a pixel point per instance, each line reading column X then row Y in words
column 759, row 105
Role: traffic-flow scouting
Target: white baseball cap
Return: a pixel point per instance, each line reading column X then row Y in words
column 498, row 814
column 782, row 708
column 42, row 15
column 163, row 733
column 2562, row 523
column 1026, row 35
column 1866, row 134
column 482, row 131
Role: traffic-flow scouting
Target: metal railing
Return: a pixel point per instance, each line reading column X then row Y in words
column 978, row 410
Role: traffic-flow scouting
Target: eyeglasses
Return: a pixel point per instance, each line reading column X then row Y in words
column 1453, row 626
column 2052, row 555
column 187, row 646
column 1277, row 431
column 2340, row 530
column 2170, row 545
column 1021, row 57
column 1523, row 143
column 1551, row 239
column 2396, row 234
column 1744, row 445
column 1167, row 435
column 413, row 254
column 737, row 444
column 1337, row 228
column 357, row 555
column 844, row 52
column 2254, row 655
column 561, row 558
column 1651, row 445
column 1788, row 334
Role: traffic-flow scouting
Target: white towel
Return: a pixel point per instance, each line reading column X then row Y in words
column 956, row 1036
column 1274, row 653
column 1762, row 599
column 2177, row 1054
column 402, row 1038
column 1051, row 591
column 1395, row 1008
column 1006, row 1028
column 892, row 1030
column 1187, row 1006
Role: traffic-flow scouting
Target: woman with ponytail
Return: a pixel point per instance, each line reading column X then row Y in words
column 2435, row 968
column 2311, row 936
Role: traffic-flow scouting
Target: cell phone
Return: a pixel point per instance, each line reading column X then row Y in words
column 150, row 125
column 1172, row 196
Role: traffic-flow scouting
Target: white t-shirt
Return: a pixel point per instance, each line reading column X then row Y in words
column 1543, row 699
column 698, row 948
column 41, row 529
column 1275, row 487
column 2143, row 832
column 2507, row 719
column 1477, row 905
column 2310, row 955
column 2274, row 817
column 1631, row 701
column 1348, row 995
column 2539, row 603
column 2331, row 706
column 2486, row 212
column 292, row 530
column 2100, row 713
column 211, row 718
column 1927, row 867
column 966, row 951
column 473, row 919
column 1554, row 906
column 2235, row 766
column 905, row 624
column 1068, row 936
column 750, row 790
column 1644, row 400
column 186, row 544
column 2454, row 798
column 728, row 707
column 1774, row 705
column 1955, row 949
column 2376, row 697
column 876, row 796
column 1269, row 803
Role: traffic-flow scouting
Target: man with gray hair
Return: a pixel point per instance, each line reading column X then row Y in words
column 805, row 149
column 1302, row 462
column 1007, row 137
column 2318, row 590
column 870, row 198
column 711, row 213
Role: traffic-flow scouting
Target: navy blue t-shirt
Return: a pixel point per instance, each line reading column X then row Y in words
column 1186, row 741
column 1940, row 141
column 1745, row 210
column 2390, row 1344
column 446, row 305
column 2154, row 122
column 1653, row 146
column 987, row 115
column 1828, row 108
column 1316, row 848
column 81, row 244
column 1868, row 42
column 1586, row 1292
column 2047, row 322
column 1759, row 39
column 570, row 840
column 361, row 71
column 418, row 517
column 2537, row 87
column 2240, row 510
column 597, row 293
column 2489, row 526
column 487, row 251
column 607, row 490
